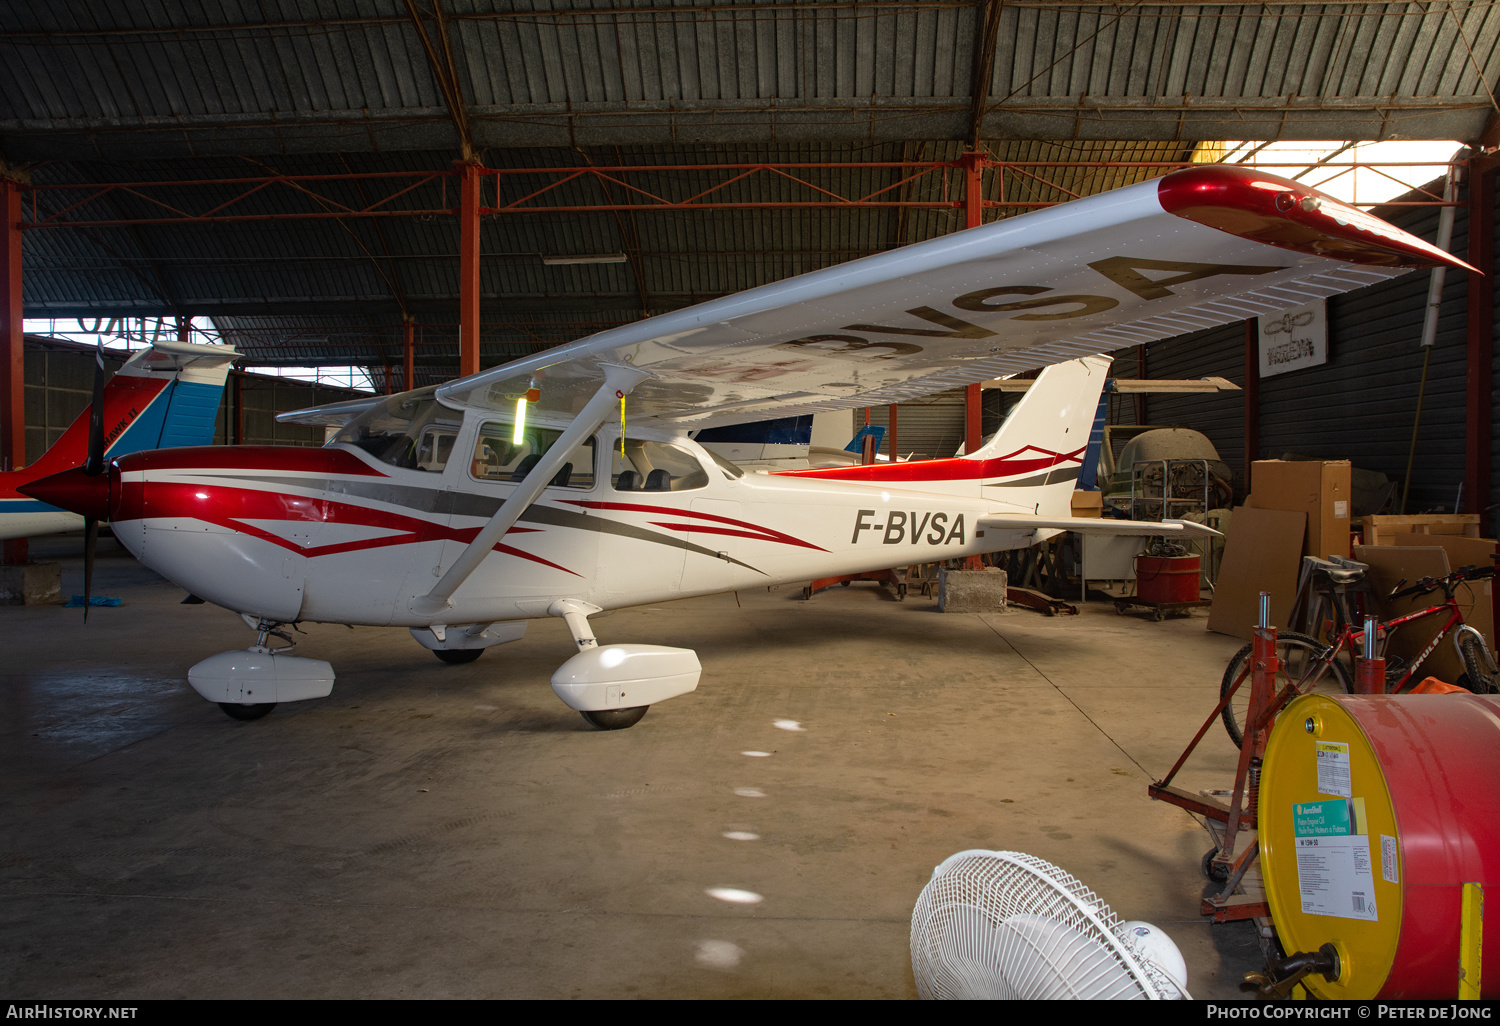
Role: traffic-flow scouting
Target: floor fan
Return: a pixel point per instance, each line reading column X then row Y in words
column 1003, row 924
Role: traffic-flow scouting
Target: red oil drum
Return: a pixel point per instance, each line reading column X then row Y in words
column 1375, row 811
column 1166, row 578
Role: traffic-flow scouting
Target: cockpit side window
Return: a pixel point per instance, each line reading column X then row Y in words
column 499, row 457
column 646, row 466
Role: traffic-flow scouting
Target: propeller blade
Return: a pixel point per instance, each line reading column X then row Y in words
column 94, row 466
column 90, row 540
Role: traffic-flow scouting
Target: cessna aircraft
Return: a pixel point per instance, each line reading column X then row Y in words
column 564, row 484
column 163, row 396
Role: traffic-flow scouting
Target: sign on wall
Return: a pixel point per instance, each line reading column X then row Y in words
column 1294, row 339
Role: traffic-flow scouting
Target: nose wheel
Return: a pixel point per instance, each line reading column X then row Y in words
column 249, row 683
column 246, row 712
column 458, row 656
column 615, row 719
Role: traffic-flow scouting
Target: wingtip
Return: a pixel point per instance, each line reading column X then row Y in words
column 1279, row 212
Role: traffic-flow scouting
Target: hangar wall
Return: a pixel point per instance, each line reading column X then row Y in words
column 261, row 397
column 1360, row 404
column 59, row 383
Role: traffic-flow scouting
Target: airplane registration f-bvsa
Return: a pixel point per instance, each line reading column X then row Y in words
column 565, row 484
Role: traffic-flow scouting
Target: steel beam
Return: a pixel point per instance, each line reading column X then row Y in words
column 570, row 123
column 426, row 192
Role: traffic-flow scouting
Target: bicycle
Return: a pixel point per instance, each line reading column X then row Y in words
column 1308, row 665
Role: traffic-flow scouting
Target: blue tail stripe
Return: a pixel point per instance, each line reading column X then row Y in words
column 191, row 417
column 26, row 506
column 184, row 413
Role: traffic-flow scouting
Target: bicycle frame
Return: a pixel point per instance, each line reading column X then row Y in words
column 1355, row 638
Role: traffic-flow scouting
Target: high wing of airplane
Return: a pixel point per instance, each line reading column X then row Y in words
column 565, row 483
column 163, row 396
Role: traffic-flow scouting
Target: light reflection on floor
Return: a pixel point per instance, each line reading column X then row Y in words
column 719, row 954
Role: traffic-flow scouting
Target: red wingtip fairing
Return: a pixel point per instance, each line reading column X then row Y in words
column 1280, row 212
column 74, row 491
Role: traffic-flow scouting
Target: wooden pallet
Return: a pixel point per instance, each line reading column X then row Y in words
column 1378, row 529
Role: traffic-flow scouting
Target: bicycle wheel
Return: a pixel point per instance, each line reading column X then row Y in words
column 1478, row 664
column 1301, row 669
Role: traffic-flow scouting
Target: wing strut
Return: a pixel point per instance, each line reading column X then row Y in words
column 618, row 380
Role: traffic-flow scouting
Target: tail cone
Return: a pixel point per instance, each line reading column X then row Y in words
column 73, row 490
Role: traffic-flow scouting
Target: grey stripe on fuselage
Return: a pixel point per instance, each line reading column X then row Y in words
column 1052, row 476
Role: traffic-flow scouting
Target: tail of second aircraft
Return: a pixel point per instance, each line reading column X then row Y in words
column 1031, row 464
column 164, row 396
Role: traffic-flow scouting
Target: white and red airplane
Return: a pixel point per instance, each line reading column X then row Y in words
column 565, row 484
column 163, row 396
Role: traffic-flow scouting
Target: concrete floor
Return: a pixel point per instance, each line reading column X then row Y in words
column 439, row 831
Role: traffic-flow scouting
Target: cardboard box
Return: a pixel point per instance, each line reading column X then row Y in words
column 1382, row 529
column 1319, row 489
column 1262, row 552
column 1088, row 504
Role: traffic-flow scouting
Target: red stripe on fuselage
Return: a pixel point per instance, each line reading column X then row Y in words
column 958, row 468
column 291, row 459
column 232, row 507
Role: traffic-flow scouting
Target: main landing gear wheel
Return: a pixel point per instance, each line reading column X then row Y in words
column 246, row 712
column 458, row 656
column 615, row 719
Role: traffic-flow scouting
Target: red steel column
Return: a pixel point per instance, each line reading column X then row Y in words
column 12, row 336
column 973, row 396
column 1252, row 396
column 893, row 433
column 237, row 421
column 1478, row 385
column 12, row 354
column 973, row 166
column 409, row 369
column 468, row 269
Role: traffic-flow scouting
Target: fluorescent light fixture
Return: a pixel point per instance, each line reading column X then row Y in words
column 519, row 435
column 584, row 258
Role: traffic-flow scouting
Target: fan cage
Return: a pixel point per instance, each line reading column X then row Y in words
column 1011, row 925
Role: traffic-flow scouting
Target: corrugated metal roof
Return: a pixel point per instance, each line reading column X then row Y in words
column 143, row 77
column 176, row 90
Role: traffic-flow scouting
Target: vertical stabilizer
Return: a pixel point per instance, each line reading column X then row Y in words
column 164, row 396
column 1033, row 462
column 1030, row 465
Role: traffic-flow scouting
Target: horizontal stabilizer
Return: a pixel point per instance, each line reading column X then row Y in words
column 1096, row 525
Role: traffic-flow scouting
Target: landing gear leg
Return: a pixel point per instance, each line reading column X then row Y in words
column 576, row 614
column 613, row 686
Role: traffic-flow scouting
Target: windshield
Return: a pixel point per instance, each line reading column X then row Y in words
column 732, row 471
column 413, row 431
